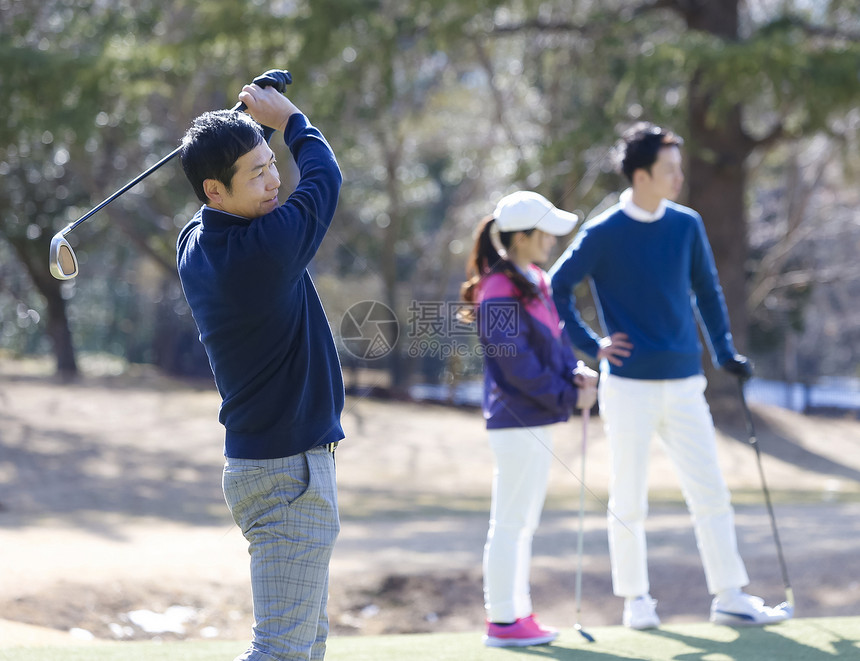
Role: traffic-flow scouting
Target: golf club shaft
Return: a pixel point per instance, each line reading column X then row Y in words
column 131, row 184
column 122, row 190
column 753, row 440
column 579, row 543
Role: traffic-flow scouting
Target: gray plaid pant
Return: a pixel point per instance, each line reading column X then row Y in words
column 287, row 510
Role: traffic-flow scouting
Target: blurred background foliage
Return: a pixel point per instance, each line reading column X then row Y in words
column 435, row 109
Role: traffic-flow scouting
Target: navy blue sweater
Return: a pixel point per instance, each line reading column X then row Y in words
column 260, row 318
column 648, row 279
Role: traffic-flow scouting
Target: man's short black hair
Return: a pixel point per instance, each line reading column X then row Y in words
column 214, row 143
column 641, row 144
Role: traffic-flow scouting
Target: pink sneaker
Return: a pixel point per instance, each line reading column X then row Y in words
column 525, row 631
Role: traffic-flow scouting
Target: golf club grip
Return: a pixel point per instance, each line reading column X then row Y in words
column 277, row 78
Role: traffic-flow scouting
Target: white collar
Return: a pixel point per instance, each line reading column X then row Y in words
column 235, row 215
column 638, row 213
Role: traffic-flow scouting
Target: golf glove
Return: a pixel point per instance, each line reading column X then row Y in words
column 279, row 79
column 739, row 366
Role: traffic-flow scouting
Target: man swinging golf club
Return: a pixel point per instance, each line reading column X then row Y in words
column 243, row 262
column 62, row 260
column 647, row 258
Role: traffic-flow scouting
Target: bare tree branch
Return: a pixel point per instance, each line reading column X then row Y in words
column 680, row 6
column 542, row 26
column 813, row 30
column 139, row 239
column 769, row 276
column 498, row 99
column 776, row 134
column 812, row 275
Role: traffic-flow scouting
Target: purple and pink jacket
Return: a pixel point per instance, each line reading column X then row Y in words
column 528, row 360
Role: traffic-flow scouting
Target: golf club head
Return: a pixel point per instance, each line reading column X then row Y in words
column 584, row 633
column 64, row 264
column 786, row 608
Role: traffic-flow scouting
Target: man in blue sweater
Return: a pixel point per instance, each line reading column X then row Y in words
column 651, row 268
column 243, row 262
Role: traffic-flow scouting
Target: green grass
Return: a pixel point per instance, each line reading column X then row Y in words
column 819, row 639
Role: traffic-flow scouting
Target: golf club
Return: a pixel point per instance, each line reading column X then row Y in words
column 788, row 605
column 62, row 259
column 586, row 415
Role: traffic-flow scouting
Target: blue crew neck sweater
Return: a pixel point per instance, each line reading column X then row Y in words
column 649, row 279
column 260, row 319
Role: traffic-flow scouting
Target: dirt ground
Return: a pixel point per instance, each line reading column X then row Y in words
column 112, row 522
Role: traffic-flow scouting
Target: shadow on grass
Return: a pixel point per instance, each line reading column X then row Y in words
column 71, row 475
column 785, row 447
column 775, row 643
column 800, row 640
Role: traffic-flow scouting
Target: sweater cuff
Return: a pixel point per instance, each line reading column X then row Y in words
column 296, row 124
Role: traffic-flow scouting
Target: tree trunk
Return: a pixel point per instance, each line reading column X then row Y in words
column 393, row 154
column 61, row 336
column 717, row 151
column 717, row 182
column 34, row 257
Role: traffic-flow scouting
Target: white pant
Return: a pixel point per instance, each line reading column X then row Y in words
column 634, row 410
column 523, row 457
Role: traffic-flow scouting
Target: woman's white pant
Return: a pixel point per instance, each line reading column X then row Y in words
column 633, row 410
column 523, row 457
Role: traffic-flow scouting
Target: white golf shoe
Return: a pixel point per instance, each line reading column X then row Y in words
column 640, row 613
column 744, row 610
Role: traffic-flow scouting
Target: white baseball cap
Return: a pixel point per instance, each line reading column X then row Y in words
column 526, row 210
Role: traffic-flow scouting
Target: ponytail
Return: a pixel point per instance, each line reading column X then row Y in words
column 485, row 260
column 482, row 260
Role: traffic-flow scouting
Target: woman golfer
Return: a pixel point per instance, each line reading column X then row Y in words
column 531, row 381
